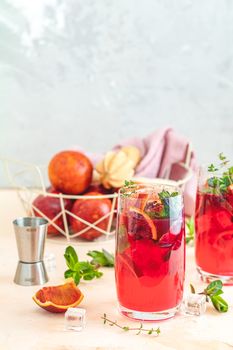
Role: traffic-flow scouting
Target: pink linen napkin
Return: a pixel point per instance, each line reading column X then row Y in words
column 161, row 152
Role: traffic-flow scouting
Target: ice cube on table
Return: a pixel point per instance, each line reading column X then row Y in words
column 75, row 319
column 195, row 304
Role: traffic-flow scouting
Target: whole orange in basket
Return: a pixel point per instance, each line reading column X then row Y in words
column 90, row 210
column 51, row 207
column 58, row 299
column 70, row 172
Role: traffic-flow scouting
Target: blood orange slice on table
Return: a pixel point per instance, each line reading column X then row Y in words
column 58, row 299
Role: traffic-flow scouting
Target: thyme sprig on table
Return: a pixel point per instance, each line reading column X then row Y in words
column 212, row 292
column 139, row 329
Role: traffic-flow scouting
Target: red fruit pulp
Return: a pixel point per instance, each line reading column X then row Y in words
column 150, row 273
column 214, row 233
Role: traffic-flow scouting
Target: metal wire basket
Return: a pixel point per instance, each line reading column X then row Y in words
column 29, row 180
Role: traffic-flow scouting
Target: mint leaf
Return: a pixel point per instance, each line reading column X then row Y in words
column 68, row 274
column 190, row 231
column 213, row 287
column 89, row 276
column 219, row 303
column 71, row 257
column 103, row 258
column 166, row 194
column 212, row 292
column 218, row 292
column 109, row 257
column 98, row 274
column 171, row 202
column 230, row 171
column 76, row 277
column 79, row 269
column 85, row 266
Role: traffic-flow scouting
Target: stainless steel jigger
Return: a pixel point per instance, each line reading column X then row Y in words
column 30, row 235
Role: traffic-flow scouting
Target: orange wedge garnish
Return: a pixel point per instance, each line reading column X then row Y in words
column 148, row 220
column 143, row 198
column 139, row 200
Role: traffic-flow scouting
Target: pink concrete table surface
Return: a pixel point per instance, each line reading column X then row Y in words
column 23, row 325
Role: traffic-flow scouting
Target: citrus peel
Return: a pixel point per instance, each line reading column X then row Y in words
column 148, row 220
column 58, row 299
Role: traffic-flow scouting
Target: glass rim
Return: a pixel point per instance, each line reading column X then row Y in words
column 30, row 221
column 204, row 168
column 139, row 187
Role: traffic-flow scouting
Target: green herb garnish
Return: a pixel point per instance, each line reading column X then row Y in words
column 139, row 329
column 129, row 183
column 79, row 269
column 190, row 231
column 103, row 258
column 212, row 168
column 128, row 188
column 212, row 292
column 171, row 207
column 166, row 194
column 224, row 160
column 217, row 184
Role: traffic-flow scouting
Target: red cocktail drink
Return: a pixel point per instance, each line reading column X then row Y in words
column 150, row 253
column 214, row 234
column 214, row 226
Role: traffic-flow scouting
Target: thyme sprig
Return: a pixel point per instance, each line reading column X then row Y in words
column 139, row 329
column 223, row 162
column 217, row 184
column 128, row 188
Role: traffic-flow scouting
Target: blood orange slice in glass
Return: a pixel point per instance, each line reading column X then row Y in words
column 147, row 220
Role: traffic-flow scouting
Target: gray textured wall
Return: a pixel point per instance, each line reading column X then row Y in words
column 82, row 72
